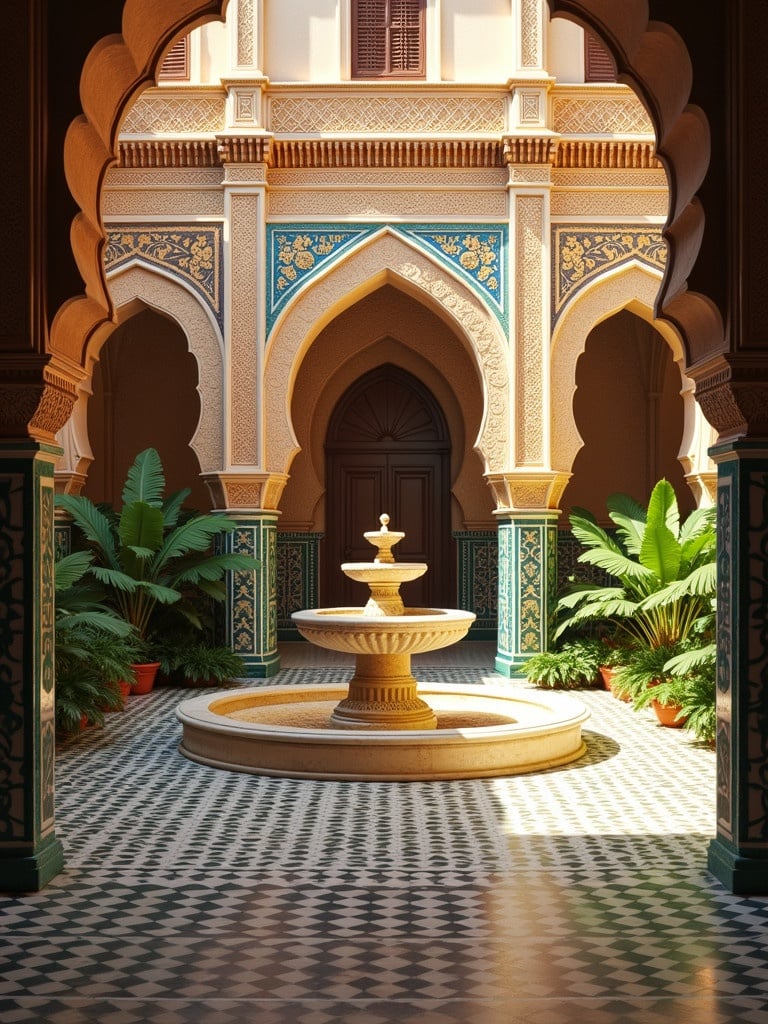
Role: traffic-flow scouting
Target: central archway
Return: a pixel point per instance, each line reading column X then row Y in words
column 388, row 450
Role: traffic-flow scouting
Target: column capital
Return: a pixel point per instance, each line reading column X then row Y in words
column 37, row 396
column 527, row 491
column 244, row 491
column 732, row 389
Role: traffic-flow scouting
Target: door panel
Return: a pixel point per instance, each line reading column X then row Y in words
column 388, row 451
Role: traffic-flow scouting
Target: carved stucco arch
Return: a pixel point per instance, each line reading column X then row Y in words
column 170, row 296
column 634, row 288
column 650, row 56
column 385, row 258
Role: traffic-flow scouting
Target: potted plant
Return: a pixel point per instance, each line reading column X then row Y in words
column 94, row 649
column 150, row 553
column 574, row 664
column 665, row 581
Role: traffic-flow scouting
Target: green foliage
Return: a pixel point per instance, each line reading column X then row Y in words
column 195, row 660
column 94, row 648
column 664, row 571
column 662, row 601
column 575, row 664
column 149, row 555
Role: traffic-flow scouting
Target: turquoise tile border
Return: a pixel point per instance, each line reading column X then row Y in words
column 476, row 252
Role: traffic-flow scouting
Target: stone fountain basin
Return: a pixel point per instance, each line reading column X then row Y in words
column 280, row 731
column 416, row 631
column 395, row 572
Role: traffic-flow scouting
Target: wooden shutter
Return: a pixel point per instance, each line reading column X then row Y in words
column 598, row 63
column 175, row 67
column 388, row 38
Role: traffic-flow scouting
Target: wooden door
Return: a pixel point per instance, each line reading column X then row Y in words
column 388, row 451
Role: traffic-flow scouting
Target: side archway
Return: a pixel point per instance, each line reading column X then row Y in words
column 634, row 289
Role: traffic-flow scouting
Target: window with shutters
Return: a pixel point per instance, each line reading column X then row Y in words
column 175, row 67
column 388, row 39
column 599, row 65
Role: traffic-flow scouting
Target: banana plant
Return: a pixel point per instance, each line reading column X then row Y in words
column 151, row 554
column 664, row 569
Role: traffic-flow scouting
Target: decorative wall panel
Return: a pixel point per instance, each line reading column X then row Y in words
column 297, row 581
column 583, row 252
column 478, row 578
column 477, row 253
column 191, row 252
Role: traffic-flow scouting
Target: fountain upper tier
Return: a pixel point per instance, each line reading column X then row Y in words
column 383, row 575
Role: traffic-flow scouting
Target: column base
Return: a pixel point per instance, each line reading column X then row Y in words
column 506, row 665
column 31, row 874
column 264, row 667
column 740, row 875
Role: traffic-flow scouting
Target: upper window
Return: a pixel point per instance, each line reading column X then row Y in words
column 175, row 67
column 599, row 65
column 388, row 38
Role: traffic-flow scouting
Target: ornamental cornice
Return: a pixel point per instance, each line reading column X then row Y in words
column 37, row 397
column 390, row 153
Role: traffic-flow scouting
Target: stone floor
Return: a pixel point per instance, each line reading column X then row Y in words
column 194, row 895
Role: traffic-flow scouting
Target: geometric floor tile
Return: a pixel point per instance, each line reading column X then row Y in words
column 196, row 895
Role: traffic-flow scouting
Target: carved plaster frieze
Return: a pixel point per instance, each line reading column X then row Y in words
column 448, row 178
column 182, row 112
column 416, row 203
column 418, row 113
column 617, row 204
column 581, row 114
column 36, row 399
column 529, row 149
column 605, row 154
column 394, row 152
column 169, row 205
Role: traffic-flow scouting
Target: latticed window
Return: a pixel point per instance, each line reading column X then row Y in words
column 388, row 38
column 175, row 67
column 599, row 65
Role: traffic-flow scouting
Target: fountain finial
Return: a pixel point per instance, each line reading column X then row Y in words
column 383, row 540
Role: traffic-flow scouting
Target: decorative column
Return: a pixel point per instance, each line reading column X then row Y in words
column 527, row 568
column 250, row 613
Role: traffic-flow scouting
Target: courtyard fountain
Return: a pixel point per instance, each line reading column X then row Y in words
column 382, row 724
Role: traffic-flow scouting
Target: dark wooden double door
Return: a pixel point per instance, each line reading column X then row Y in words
column 388, row 450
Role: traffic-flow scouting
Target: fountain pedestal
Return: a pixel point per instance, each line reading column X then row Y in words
column 382, row 695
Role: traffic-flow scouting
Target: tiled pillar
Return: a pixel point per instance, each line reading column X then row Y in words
column 738, row 856
column 251, row 606
column 527, row 587
column 30, row 853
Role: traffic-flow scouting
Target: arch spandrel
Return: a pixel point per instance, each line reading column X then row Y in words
column 167, row 296
column 385, row 259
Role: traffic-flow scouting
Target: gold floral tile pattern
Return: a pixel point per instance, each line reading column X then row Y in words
column 583, row 252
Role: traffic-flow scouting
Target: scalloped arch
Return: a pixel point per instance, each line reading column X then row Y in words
column 650, row 56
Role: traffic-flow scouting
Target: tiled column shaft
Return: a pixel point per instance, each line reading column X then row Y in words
column 251, row 609
column 527, row 587
column 30, row 853
column 738, row 856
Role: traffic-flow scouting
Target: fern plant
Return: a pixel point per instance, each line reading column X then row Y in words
column 150, row 554
column 574, row 665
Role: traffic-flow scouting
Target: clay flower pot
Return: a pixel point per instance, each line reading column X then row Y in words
column 145, row 677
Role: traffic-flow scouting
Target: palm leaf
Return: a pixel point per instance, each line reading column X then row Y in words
column 145, row 481
column 660, row 551
column 94, row 525
column 172, row 507
column 663, row 508
column 114, row 578
column 701, row 520
column 71, row 568
column 159, row 593
column 141, row 527
column 194, row 535
column 702, row 582
column 105, row 621
column 212, row 568
column 616, row 563
column 630, row 518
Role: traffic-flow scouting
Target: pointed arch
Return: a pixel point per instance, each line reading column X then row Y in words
column 169, row 296
column 633, row 288
column 385, row 258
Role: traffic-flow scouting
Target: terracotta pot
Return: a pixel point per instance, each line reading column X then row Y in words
column 125, row 689
column 145, row 677
column 667, row 715
column 607, row 674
